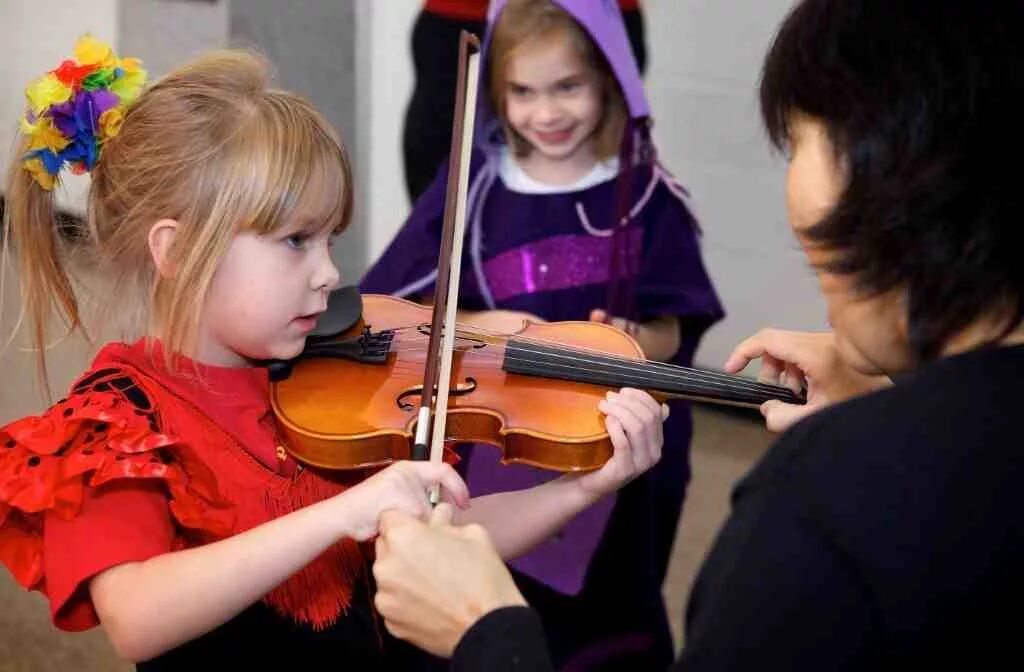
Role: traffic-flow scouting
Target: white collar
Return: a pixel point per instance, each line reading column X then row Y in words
column 516, row 179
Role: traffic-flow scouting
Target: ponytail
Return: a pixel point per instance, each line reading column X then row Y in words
column 30, row 229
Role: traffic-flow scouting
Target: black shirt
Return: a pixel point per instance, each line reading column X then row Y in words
column 882, row 533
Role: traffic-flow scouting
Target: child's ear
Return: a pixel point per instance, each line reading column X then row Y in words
column 161, row 240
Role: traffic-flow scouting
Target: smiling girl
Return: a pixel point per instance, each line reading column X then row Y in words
column 572, row 218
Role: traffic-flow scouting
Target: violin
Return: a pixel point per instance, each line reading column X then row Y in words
column 383, row 379
column 350, row 401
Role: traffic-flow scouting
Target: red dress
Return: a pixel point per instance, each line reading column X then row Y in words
column 137, row 462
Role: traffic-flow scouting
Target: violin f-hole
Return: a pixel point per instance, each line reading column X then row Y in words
column 458, row 390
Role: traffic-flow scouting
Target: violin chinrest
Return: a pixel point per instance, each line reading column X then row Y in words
column 344, row 308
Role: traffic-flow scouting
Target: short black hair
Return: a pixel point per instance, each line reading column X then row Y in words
column 923, row 102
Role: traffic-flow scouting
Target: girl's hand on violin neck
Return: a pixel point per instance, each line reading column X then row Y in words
column 403, row 486
column 634, row 422
column 659, row 338
column 801, row 360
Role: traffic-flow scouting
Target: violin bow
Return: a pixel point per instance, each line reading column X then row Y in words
column 433, row 411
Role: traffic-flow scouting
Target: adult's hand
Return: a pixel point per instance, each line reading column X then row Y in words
column 435, row 580
column 801, row 361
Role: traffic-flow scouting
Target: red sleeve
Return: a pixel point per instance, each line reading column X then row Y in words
column 122, row 521
column 91, row 483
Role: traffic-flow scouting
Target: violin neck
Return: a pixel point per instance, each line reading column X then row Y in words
column 529, row 358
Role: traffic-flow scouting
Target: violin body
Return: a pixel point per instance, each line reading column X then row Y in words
column 353, row 401
column 341, row 414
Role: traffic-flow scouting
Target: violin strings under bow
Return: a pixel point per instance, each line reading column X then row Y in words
column 567, row 358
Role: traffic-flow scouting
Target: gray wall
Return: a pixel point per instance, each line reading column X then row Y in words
column 704, row 70
column 312, row 45
column 166, row 33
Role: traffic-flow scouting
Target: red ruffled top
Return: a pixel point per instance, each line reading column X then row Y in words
column 136, row 462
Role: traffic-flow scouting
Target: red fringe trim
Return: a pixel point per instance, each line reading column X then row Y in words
column 319, row 592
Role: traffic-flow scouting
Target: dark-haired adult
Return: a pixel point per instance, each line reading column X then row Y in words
column 882, row 532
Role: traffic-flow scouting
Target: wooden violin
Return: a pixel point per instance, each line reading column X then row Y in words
column 351, row 401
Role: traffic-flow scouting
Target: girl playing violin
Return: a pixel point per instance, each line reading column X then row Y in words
column 156, row 499
column 571, row 218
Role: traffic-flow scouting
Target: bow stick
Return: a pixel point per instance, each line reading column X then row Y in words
column 437, row 374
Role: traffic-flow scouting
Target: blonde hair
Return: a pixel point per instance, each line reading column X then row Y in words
column 524, row 21
column 210, row 146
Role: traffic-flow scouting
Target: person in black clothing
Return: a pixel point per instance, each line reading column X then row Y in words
column 881, row 532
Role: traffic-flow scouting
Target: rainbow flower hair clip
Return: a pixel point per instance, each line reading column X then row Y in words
column 75, row 108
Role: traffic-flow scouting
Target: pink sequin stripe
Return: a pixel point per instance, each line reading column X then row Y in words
column 559, row 262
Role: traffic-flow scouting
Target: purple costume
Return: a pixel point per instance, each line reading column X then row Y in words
column 597, row 584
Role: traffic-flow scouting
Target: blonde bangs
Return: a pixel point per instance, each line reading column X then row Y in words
column 293, row 167
column 267, row 161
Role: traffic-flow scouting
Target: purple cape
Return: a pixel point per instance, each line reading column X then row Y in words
column 550, row 255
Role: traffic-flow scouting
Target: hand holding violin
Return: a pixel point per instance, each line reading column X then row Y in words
column 634, row 421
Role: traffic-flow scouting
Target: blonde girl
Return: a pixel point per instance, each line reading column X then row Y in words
column 157, row 499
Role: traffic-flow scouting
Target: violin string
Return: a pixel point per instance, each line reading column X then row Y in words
column 575, row 351
column 694, row 388
column 613, row 363
column 680, row 374
column 631, row 376
column 636, row 379
column 631, row 363
column 590, row 357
